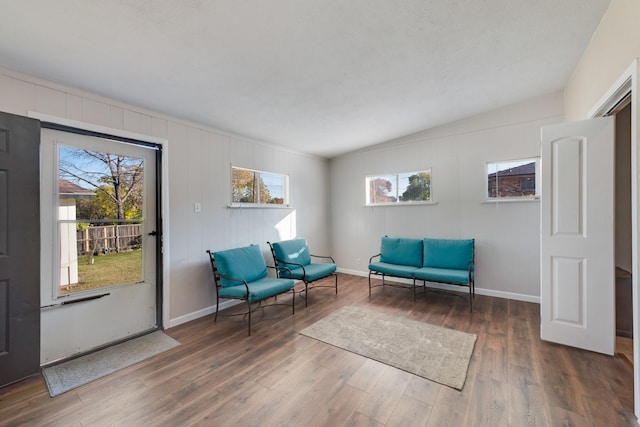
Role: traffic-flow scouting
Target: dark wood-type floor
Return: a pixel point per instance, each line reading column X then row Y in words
column 277, row 377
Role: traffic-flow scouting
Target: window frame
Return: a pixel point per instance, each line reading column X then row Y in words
column 397, row 176
column 78, row 139
column 528, row 197
column 286, row 190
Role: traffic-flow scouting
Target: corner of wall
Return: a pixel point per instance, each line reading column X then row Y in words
column 614, row 46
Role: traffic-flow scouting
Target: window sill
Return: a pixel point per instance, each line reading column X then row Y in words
column 385, row 205
column 257, row 206
column 512, row 200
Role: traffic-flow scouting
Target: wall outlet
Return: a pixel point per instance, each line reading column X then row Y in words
column 197, row 208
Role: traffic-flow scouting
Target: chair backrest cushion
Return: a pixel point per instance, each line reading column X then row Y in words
column 401, row 251
column 448, row 253
column 243, row 263
column 296, row 251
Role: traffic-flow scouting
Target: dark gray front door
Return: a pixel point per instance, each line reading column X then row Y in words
column 19, row 248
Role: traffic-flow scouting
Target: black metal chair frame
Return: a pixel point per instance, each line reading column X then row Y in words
column 257, row 306
column 277, row 263
column 395, row 285
column 471, row 285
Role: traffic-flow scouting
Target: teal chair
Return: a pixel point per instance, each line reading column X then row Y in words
column 241, row 274
column 293, row 261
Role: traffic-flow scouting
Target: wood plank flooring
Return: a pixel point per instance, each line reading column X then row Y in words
column 277, row 377
column 624, row 349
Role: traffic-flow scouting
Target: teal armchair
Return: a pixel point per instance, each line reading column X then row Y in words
column 241, row 274
column 293, row 261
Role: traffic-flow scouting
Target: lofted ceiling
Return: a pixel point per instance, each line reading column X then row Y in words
column 320, row 76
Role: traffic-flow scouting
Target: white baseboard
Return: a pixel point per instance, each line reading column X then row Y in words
column 200, row 313
column 479, row 291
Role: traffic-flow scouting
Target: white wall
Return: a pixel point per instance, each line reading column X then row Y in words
column 613, row 47
column 199, row 164
column 507, row 234
column 201, row 172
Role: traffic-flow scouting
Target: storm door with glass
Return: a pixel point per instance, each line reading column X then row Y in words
column 101, row 284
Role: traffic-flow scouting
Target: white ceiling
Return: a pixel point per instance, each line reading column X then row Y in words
column 321, row 76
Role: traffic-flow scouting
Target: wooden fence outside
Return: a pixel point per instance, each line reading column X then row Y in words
column 109, row 238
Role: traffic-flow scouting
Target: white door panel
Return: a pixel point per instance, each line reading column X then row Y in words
column 577, row 226
column 94, row 323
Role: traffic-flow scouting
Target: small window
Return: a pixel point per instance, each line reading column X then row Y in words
column 252, row 187
column 513, row 179
column 407, row 187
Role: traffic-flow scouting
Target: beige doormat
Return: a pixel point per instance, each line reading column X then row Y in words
column 76, row 372
column 432, row 352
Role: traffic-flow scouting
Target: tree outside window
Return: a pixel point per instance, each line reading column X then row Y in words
column 401, row 188
column 418, row 188
column 256, row 187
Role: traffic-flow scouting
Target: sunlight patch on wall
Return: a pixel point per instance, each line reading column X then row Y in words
column 287, row 227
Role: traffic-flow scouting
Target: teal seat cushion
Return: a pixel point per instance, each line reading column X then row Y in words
column 443, row 253
column 444, row 275
column 294, row 251
column 259, row 289
column 311, row 272
column 401, row 251
column 241, row 263
column 393, row 269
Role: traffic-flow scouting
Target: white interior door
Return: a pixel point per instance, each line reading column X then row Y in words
column 98, row 282
column 577, row 235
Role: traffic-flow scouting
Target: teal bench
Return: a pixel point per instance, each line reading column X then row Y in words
column 449, row 261
column 293, row 260
column 241, row 274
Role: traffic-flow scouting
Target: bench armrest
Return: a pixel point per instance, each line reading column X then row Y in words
column 322, row 256
column 278, row 268
column 279, row 262
column 371, row 259
column 232, row 279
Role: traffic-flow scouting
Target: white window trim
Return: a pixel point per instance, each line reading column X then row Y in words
column 401, row 204
column 245, row 205
column 524, row 199
column 398, row 202
column 532, row 198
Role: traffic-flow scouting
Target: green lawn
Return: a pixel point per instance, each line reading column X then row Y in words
column 106, row 270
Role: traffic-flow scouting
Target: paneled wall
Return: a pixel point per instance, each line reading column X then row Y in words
column 507, row 233
column 199, row 161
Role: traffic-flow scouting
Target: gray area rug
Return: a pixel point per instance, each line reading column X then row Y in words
column 438, row 354
column 74, row 373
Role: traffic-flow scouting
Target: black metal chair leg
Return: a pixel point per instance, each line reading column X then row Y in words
column 249, row 304
column 306, row 294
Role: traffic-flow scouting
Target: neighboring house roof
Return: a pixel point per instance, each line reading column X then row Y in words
column 528, row 169
column 69, row 190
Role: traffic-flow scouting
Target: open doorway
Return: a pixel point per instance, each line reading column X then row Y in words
column 623, row 232
column 625, row 91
